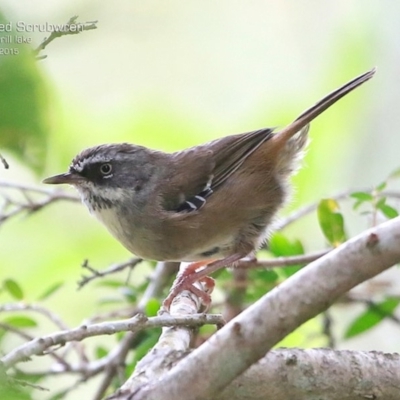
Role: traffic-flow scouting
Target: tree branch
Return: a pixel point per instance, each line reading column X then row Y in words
column 4, row 162
column 134, row 324
column 281, row 261
column 116, row 358
column 111, row 270
column 70, row 28
column 294, row 374
column 28, row 203
column 247, row 338
column 286, row 374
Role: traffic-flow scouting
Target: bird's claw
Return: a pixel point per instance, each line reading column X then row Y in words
column 185, row 281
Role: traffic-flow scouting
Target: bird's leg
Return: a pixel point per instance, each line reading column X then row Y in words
column 182, row 283
column 186, row 278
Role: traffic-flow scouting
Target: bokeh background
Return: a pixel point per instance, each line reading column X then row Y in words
column 169, row 75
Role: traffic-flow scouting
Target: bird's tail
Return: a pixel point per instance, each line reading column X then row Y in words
column 307, row 116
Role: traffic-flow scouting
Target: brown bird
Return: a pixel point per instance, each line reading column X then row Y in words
column 211, row 204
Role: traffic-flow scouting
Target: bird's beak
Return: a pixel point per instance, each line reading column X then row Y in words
column 69, row 178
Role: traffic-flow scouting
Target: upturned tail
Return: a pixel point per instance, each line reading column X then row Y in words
column 307, row 116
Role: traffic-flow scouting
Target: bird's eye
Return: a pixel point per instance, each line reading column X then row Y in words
column 106, row 169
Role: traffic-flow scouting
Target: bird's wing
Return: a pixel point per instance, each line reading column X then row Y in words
column 197, row 172
column 189, row 175
column 230, row 152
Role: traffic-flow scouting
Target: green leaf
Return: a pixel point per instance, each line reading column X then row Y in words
column 374, row 314
column 279, row 245
column 109, row 300
column 110, row 283
column 357, row 204
column 262, row 281
column 24, row 103
column 381, row 186
column 265, row 275
column 331, row 221
column 362, row 196
column 50, row 290
column 152, row 307
column 20, row 321
column 3, row 333
column 291, row 270
column 395, row 174
column 58, row 396
column 13, row 288
column 100, row 352
column 387, row 210
column 380, row 202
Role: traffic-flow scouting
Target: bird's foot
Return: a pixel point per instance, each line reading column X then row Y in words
column 185, row 281
column 190, row 275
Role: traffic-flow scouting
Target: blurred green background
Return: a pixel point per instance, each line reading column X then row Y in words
column 169, row 75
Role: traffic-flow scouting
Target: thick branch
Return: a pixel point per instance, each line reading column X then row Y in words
column 248, row 337
column 293, row 374
column 287, row 374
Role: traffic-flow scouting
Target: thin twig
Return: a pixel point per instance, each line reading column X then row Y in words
column 28, row 205
column 235, row 294
column 70, row 28
column 327, row 328
column 16, row 307
column 111, row 270
column 303, row 211
column 4, row 162
column 24, row 335
column 115, row 359
column 135, row 324
column 281, row 261
column 37, row 189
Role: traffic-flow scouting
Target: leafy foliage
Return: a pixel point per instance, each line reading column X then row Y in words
column 331, row 221
column 23, row 102
column 12, row 287
column 375, row 313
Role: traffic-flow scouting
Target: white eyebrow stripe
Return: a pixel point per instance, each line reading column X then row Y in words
column 81, row 164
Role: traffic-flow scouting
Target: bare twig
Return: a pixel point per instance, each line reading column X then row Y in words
column 24, row 335
column 34, row 199
column 37, row 189
column 13, row 307
column 138, row 322
column 70, row 28
column 327, row 329
column 16, row 307
column 281, row 261
column 235, row 294
column 303, row 211
column 115, row 359
column 111, row 270
column 4, row 162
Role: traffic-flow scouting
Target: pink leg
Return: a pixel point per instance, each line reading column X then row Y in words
column 185, row 280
